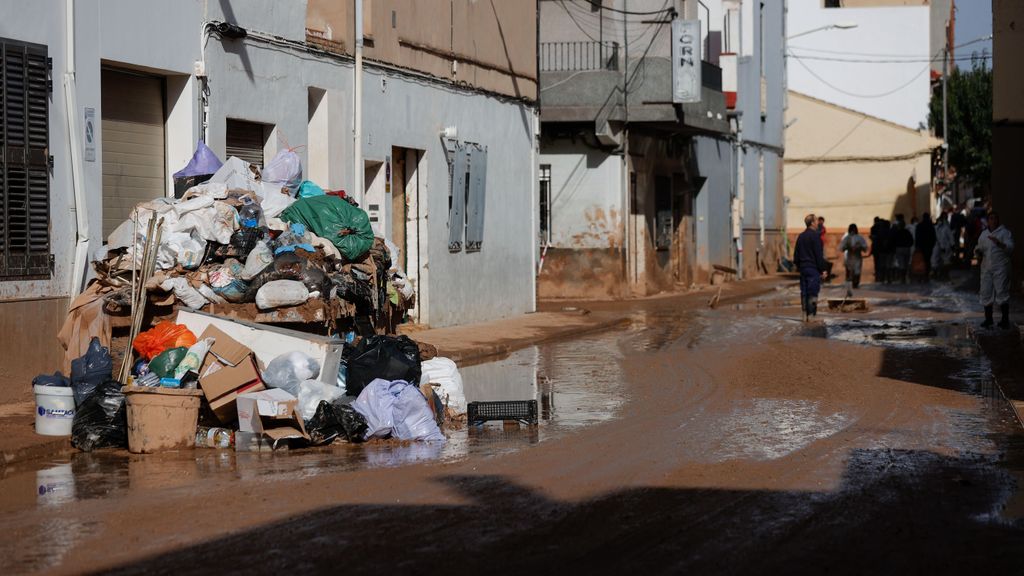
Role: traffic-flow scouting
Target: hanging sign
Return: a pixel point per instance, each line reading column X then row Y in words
column 686, row 57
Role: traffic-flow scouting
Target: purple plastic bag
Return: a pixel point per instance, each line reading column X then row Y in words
column 203, row 163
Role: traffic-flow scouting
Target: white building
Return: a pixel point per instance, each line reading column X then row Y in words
column 116, row 104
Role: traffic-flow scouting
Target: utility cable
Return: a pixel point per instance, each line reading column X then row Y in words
column 854, row 94
column 599, row 4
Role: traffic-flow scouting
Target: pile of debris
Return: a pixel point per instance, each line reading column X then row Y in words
column 191, row 284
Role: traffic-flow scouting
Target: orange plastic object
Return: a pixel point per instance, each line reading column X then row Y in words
column 164, row 335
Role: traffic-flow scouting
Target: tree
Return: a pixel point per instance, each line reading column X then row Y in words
column 970, row 121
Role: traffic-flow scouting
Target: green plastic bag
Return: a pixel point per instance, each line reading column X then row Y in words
column 327, row 216
column 164, row 363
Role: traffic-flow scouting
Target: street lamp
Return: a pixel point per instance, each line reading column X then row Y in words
column 838, row 25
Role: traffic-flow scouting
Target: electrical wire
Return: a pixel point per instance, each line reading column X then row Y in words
column 600, row 4
column 854, row 94
column 917, row 61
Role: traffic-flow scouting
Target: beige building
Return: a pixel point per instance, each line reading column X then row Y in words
column 1008, row 117
column 850, row 167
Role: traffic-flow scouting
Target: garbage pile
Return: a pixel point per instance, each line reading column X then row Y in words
column 213, row 382
column 252, row 244
column 192, row 283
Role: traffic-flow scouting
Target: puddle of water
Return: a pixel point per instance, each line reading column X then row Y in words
column 769, row 428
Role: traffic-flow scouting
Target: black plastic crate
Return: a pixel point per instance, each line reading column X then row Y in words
column 524, row 411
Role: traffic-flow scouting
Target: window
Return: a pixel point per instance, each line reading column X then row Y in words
column 24, row 163
column 545, row 204
column 247, row 140
column 833, row 4
column 467, row 186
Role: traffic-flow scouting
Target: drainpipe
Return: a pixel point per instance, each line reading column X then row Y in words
column 80, row 206
column 357, row 120
column 740, row 193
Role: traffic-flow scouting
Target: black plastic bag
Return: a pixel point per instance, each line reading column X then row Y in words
column 351, row 288
column 89, row 370
column 101, row 421
column 333, row 421
column 386, row 357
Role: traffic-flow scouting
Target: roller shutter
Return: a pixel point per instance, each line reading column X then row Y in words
column 134, row 167
column 245, row 140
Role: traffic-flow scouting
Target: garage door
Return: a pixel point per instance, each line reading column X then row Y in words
column 133, row 143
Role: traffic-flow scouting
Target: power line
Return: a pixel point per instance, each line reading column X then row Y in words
column 908, row 61
column 600, row 4
column 854, row 94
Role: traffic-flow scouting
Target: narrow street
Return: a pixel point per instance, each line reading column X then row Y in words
column 725, row 440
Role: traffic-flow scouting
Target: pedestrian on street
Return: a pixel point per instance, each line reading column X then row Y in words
column 957, row 223
column 879, row 236
column 854, row 246
column 810, row 261
column 901, row 244
column 945, row 246
column 995, row 245
column 924, row 241
column 823, row 233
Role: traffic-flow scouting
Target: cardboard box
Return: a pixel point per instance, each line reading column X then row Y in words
column 273, row 413
column 228, row 370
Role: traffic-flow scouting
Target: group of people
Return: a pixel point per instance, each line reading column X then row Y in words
column 902, row 251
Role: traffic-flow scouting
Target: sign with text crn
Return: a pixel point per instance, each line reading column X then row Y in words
column 685, row 61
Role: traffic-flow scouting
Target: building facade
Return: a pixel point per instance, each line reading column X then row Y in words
column 858, row 115
column 130, row 86
column 1008, row 120
column 640, row 194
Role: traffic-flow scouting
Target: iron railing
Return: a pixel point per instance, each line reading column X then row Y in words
column 576, row 56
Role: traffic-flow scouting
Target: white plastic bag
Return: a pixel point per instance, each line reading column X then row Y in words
column 376, row 404
column 284, row 169
column 196, row 203
column 273, row 201
column 210, row 295
column 444, row 374
column 281, row 293
column 185, row 292
column 215, row 222
column 290, row 369
column 312, row 392
column 235, row 174
column 215, row 190
column 194, row 357
column 414, row 420
column 259, row 258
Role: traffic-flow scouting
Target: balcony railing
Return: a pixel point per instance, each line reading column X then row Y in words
column 577, row 56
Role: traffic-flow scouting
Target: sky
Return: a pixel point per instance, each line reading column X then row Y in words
column 973, row 20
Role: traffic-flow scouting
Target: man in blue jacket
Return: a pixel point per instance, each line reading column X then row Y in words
column 810, row 261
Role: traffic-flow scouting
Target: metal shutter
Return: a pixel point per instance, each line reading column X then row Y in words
column 134, row 164
column 245, row 140
column 24, row 163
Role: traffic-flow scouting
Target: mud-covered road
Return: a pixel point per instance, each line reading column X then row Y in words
column 733, row 440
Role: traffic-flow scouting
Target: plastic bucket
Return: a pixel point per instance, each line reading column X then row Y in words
column 55, row 410
column 161, row 418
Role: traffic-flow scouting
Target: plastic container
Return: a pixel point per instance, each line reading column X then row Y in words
column 55, row 410
column 524, row 411
column 161, row 418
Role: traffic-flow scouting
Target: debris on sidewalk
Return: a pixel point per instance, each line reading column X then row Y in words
column 188, row 301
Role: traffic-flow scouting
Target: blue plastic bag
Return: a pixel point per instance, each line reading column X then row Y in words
column 308, row 189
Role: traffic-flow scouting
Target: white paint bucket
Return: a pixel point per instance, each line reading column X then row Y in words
column 55, row 410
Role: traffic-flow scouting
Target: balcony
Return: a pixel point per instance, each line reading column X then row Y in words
column 578, row 56
column 583, row 82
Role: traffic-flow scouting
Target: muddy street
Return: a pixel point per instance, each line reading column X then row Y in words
column 726, row 440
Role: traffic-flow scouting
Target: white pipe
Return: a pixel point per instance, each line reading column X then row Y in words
column 71, row 104
column 760, row 195
column 357, row 120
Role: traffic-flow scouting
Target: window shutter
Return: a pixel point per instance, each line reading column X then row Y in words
column 477, row 197
column 24, row 164
column 457, row 210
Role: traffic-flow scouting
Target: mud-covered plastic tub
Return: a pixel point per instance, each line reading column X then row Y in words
column 161, row 418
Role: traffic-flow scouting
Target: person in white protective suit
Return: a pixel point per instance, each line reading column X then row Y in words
column 995, row 245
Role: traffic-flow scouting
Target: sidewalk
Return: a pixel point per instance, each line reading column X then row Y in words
column 477, row 341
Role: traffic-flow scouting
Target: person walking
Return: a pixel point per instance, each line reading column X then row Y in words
column 945, row 247
column 854, row 246
column 823, row 233
column 995, row 245
column 879, row 235
column 924, row 241
column 901, row 244
column 810, row 261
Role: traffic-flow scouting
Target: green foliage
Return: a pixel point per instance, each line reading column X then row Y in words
column 970, row 121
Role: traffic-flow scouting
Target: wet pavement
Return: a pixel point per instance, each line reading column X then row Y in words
column 725, row 440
